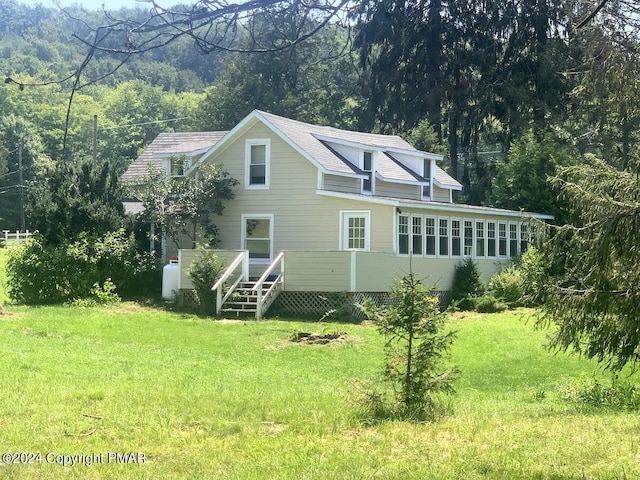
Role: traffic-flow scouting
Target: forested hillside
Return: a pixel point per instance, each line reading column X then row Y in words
column 507, row 90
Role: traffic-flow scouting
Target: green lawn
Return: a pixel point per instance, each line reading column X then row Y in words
column 234, row 400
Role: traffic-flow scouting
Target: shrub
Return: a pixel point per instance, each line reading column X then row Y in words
column 506, row 286
column 532, row 272
column 415, row 345
column 489, row 304
column 591, row 392
column 204, row 273
column 41, row 274
column 466, row 281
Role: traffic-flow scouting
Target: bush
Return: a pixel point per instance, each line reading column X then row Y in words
column 489, row 304
column 506, row 286
column 204, row 273
column 591, row 392
column 466, row 281
column 40, row 274
column 532, row 272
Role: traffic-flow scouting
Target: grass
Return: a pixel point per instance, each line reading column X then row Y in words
column 235, row 400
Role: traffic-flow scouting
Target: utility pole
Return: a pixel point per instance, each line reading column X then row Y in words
column 21, row 186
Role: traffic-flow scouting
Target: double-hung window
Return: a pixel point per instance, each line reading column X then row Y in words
column 443, row 237
column 513, row 240
column 491, row 239
column 416, row 235
column 426, row 173
column 367, row 167
column 430, row 235
column 502, row 240
column 468, row 238
column 524, row 237
column 480, row 236
column 403, row 234
column 456, row 237
column 257, row 163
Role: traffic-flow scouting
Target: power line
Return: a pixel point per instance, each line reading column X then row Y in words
column 145, row 123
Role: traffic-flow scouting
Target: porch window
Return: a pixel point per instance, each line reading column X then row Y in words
column 355, row 230
column 502, row 240
column 367, row 167
column 513, row 240
column 416, row 235
column 403, row 234
column 430, row 235
column 443, row 237
column 480, row 236
column 491, row 239
column 468, row 238
column 456, row 240
column 257, row 163
column 257, row 237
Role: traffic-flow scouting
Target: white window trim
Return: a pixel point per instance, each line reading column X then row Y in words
column 509, row 239
column 373, row 172
column 247, row 162
column 506, row 232
column 461, row 237
column 397, row 234
column 475, row 238
column 448, row 219
column 243, row 234
column 430, row 177
column 435, row 234
column 495, row 238
column 342, row 245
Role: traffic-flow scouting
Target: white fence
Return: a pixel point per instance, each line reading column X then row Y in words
column 17, row 236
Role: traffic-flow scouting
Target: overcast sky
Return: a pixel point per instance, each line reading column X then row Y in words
column 96, row 4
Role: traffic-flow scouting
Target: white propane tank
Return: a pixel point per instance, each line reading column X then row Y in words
column 170, row 278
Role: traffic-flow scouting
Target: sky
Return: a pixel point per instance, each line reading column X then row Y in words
column 96, row 4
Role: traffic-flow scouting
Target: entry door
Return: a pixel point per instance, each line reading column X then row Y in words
column 355, row 230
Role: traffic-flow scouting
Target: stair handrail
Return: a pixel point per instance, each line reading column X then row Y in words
column 243, row 257
column 258, row 286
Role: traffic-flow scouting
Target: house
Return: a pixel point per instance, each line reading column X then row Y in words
column 320, row 210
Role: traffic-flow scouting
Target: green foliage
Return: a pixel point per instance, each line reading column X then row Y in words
column 83, row 268
column 414, row 349
column 187, row 206
column 104, row 294
column 592, row 392
column 74, row 199
column 489, row 304
column 531, row 266
column 507, row 286
column 204, row 272
column 521, row 182
column 589, row 283
column 466, row 281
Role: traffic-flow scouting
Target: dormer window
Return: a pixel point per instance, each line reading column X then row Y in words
column 178, row 165
column 367, row 167
column 257, row 163
column 426, row 173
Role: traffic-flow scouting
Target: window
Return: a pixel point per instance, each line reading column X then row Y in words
column 426, row 173
column 403, row 234
column 491, row 239
column 430, row 235
column 443, row 237
column 257, row 163
column 456, row 241
column 524, row 237
column 513, row 240
column 355, row 230
column 257, row 235
column 480, row 236
column 502, row 240
column 416, row 235
column 178, row 165
column 367, row 167
column 468, row 238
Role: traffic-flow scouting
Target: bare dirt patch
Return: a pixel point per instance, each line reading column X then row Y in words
column 310, row 338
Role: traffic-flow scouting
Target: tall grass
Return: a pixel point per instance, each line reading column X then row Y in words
column 235, row 400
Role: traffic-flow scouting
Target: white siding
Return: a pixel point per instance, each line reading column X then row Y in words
column 338, row 183
column 441, row 194
column 398, row 190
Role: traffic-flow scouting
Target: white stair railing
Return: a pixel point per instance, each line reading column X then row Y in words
column 242, row 258
column 263, row 301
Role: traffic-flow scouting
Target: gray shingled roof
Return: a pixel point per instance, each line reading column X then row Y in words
column 445, row 180
column 168, row 143
column 309, row 138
